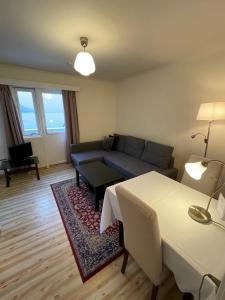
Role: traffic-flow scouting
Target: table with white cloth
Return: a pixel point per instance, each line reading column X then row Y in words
column 190, row 249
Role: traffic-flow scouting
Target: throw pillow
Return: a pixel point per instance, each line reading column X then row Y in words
column 107, row 143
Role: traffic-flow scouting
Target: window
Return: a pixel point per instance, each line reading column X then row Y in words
column 54, row 112
column 41, row 111
column 27, row 109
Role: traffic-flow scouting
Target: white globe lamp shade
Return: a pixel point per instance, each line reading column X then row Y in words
column 84, row 63
column 195, row 170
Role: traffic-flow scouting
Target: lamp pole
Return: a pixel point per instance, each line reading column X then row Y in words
column 207, row 138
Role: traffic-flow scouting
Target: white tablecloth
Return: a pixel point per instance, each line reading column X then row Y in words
column 190, row 249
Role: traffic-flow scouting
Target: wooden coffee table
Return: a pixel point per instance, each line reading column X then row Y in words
column 98, row 176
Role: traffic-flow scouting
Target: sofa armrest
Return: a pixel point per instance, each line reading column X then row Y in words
column 171, row 173
column 87, row 146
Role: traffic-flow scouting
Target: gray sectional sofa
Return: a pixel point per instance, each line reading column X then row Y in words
column 130, row 156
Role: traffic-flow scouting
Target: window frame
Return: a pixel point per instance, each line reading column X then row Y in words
column 36, row 110
column 38, row 102
column 48, row 91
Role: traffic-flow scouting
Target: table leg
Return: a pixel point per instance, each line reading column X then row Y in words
column 7, row 178
column 37, row 172
column 77, row 178
column 121, row 234
column 96, row 199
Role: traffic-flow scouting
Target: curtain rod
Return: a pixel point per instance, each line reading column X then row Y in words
column 37, row 84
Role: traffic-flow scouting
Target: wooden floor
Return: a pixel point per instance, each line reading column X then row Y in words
column 36, row 260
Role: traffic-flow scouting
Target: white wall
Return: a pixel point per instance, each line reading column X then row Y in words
column 96, row 104
column 50, row 149
column 162, row 105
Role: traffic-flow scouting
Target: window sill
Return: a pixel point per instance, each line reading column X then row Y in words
column 31, row 137
column 42, row 136
column 55, row 133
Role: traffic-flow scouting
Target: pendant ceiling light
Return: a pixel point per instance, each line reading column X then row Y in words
column 84, row 62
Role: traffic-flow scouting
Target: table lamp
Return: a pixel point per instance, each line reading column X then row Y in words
column 210, row 111
column 195, row 170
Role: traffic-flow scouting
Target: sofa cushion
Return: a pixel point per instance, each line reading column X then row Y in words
column 121, row 140
column 128, row 165
column 89, row 156
column 134, row 146
column 157, row 154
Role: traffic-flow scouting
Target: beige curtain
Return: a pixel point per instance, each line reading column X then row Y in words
column 71, row 120
column 14, row 134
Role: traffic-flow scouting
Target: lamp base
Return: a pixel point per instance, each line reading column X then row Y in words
column 199, row 214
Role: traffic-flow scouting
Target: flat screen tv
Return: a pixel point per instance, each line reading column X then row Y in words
column 20, row 152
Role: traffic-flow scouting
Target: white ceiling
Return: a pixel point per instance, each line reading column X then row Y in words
column 125, row 36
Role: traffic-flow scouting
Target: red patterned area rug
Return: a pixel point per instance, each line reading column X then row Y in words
column 92, row 250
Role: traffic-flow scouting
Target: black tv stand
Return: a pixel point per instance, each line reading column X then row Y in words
column 12, row 167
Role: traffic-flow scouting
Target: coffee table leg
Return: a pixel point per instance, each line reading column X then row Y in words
column 121, row 234
column 77, row 178
column 7, row 178
column 37, row 172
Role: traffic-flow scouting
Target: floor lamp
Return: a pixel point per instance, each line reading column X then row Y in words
column 210, row 111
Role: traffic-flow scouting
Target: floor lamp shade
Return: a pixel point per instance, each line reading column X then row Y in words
column 211, row 111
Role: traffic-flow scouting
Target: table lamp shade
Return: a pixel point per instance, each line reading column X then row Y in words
column 211, row 111
column 195, row 170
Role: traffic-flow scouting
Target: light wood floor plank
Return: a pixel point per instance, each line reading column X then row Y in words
column 36, row 261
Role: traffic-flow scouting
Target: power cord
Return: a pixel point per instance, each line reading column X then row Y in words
column 218, row 224
column 216, row 281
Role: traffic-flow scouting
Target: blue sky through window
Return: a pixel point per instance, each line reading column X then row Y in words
column 27, row 111
column 54, row 112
